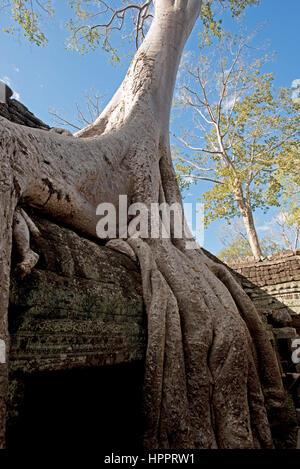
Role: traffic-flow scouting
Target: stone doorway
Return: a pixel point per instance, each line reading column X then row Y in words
column 100, row 407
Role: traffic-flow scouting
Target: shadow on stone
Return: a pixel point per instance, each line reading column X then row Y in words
column 100, row 407
column 80, row 310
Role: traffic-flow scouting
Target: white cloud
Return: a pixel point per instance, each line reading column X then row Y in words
column 281, row 218
column 229, row 103
column 265, row 227
column 296, row 90
column 16, row 69
column 296, row 83
column 6, row 80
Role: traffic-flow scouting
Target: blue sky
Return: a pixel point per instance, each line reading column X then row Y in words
column 53, row 77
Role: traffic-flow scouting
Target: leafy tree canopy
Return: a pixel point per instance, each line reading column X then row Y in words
column 92, row 23
column 245, row 133
column 239, row 247
column 282, row 232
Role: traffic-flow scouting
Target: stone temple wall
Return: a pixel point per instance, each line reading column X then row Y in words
column 273, row 284
column 81, row 311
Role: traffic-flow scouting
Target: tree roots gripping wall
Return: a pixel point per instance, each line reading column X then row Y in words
column 210, row 372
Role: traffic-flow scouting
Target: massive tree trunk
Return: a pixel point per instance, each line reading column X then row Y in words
column 210, row 370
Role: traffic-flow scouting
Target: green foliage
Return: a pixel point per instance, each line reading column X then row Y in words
column 243, row 139
column 86, row 35
column 288, row 175
column 236, row 246
column 251, row 146
column 182, row 171
column 211, row 16
column 26, row 16
column 93, row 22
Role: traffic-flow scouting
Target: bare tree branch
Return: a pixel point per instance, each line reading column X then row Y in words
column 61, row 121
column 202, row 178
column 115, row 22
column 205, row 150
column 93, row 105
column 192, row 164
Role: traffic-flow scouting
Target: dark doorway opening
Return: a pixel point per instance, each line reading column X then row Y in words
column 100, row 407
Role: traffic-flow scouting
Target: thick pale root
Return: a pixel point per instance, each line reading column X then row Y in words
column 25, row 267
column 22, row 227
column 205, row 384
column 123, row 247
column 210, row 371
column 31, row 226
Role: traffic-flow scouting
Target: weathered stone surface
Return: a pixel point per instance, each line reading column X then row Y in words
column 296, row 323
column 5, row 92
column 81, row 306
column 16, row 112
column 273, row 284
column 285, row 333
column 281, row 318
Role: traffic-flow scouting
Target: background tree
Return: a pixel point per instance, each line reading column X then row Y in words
column 283, row 234
column 285, row 229
column 210, row 371
column 84, row 115
column 236, row 245
column 243, row 132
column 289, row 177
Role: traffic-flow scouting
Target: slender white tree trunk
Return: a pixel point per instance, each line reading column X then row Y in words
column 247, row 217
column 251, row 232
column 210, row 369
column 296, row 237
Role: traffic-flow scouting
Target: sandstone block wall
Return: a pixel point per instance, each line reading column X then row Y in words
column 16, row 112
column 81, row 306
column 274, row 283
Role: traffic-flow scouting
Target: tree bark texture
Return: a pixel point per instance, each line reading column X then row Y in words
column 211, row 373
